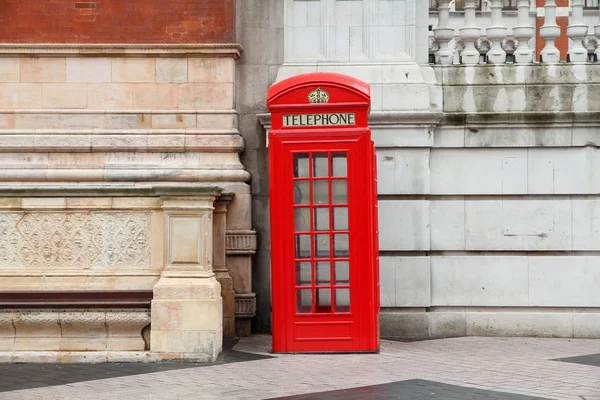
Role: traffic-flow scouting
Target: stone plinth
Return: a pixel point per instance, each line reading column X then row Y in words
column 187, row 310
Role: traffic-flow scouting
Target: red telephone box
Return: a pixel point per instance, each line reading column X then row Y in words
column 323, row 200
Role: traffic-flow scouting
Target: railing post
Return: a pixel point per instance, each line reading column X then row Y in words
column 443, row 34
column 576, row 31
column 523, row 32
column 550, row 32
column 469, row 35
column 496, row 33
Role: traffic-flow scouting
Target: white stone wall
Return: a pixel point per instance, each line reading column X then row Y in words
column 488, row 222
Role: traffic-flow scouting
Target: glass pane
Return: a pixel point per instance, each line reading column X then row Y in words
column 340, row 218
column 302, row 219
column 320, row 164
column 301, row 166
column 302, row 246
column 303, row 300
column 340, row 191
column 342, row 300
column 340, row 164
column 323, row 276
column 303, row 275
column 342, row 272
column 322, row 219
column 322, row 246
column 301, row 192
column 320, row 192
column 340, row 245
column 323, row 300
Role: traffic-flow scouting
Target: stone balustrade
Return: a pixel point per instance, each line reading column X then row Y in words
column 496, row 43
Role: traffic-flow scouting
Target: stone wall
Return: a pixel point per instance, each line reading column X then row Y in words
column 496, row 208
column 113, row 157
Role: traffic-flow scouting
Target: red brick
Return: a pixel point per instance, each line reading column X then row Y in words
column 117, row 21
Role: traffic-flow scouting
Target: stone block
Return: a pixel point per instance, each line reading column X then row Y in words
column 192, row 96
column 564, row 281
column 447, row 224
column 411, row 136
column 97, row 343
column 413, row 282
column 449, row 136
column 81, row 121
column 387, row 281
column 126, row 121
column 36, row 121
column 87, row 324
column 405, row 324
column 171, row 70
column 518, row 224
column 155, row 95
column 44, row 202
column 64, row 95
column 89, row 202
column 167, row 315
column 43, row 69
column 240, row 269
column 585, row 325
column 128, row 356
column 407, row 169
column 586, row 224
column 88, row 69
column 174, row 121
column 110, row 96
column 211, row 70
column 20, row 95
column 76, row 357
column 404, row 225
column 479, row 281
column 563, row 171
column 10, row 69
column 448, row 324
column 36, row 357
column 216, row 121
column 133, row 69
column 506, row 323
column 201, row 315
column 7, row 121
column 478, row 171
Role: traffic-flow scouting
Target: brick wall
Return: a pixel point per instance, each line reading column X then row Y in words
column 117, row 21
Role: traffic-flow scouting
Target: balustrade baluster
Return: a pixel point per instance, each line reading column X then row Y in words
column 469, row 35
column 496, row 33
column 443, row 34
column 550, row 31
column 576, row 31
column 523, row 32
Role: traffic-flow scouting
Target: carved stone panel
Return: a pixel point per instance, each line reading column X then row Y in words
column 74, row 240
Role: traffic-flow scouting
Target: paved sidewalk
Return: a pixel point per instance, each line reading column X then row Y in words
column 460, row 368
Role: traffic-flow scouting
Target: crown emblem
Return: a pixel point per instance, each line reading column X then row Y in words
column 318, row 96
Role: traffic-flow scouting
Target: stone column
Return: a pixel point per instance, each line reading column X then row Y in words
column 187, row 310
column 220, row 264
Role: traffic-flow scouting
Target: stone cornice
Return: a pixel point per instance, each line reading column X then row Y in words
column 121, row 50
column 81, row 190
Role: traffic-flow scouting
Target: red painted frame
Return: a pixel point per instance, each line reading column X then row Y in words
column 357, row 330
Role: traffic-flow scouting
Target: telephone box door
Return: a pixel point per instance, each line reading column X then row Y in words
column 323, row 240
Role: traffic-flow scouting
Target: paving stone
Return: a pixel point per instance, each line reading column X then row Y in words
column 460, row 368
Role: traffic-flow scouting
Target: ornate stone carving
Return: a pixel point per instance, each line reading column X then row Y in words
column 74, row 240
column 245, row 305
column 240, row 242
